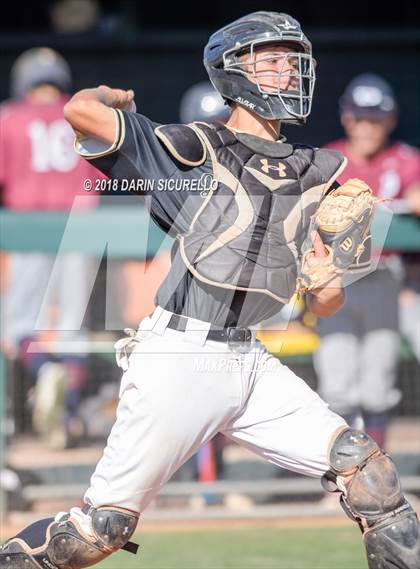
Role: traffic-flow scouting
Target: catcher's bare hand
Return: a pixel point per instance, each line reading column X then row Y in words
column 90, row 111
column 117, row 98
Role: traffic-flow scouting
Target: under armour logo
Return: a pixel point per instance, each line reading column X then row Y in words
column 266, row 167
column 287, row 25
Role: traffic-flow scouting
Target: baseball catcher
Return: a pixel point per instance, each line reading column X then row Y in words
column 273, row 220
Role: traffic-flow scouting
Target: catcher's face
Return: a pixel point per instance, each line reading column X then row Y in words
column 367, row 136
column 281, row 72
column 274, row 68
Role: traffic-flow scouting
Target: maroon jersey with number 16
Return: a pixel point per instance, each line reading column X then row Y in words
column 39, row 168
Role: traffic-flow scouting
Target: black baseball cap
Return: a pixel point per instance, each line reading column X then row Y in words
column 368, row 96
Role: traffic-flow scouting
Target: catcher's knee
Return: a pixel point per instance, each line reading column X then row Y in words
column 78, row 539
column 371, row 495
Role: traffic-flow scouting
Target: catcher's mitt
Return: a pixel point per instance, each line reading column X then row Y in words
column 343, row 221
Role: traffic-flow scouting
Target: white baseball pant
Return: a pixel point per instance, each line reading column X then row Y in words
column 180, row 390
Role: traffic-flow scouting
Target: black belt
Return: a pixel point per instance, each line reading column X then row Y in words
column 231, row 334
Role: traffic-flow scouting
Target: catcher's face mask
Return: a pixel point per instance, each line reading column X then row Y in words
column 279, row 72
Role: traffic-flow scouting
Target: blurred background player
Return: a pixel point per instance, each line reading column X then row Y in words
column 357, row 358
column 201, row 102
column 410, row 302
column 40, row 171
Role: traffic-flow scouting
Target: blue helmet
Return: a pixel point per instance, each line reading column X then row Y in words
column 224, row 62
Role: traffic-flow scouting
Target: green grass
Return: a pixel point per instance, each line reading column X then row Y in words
column 246, row 548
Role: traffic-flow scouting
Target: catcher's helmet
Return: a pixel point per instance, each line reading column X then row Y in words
column 224, row 61
column 202, row 102
column 38, row 66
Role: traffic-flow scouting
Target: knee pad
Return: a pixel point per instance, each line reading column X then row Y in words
column 371, row 495
column 71, row 541
column 371, row 483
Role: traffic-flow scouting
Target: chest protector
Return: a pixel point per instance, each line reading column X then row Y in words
column 248, row 229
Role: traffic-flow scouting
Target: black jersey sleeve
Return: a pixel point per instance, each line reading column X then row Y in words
column 139, row 154
column 136, row 153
